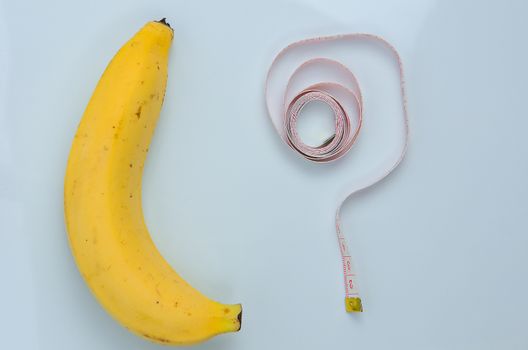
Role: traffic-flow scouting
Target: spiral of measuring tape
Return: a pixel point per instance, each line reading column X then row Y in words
column 345, row 100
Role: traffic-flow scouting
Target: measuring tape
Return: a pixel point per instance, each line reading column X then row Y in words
column 342, row 97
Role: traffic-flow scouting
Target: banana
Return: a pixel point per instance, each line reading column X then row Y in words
column 102, row 203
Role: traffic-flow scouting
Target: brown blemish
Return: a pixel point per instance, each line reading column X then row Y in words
column 141, row 82
column 226, row 310
column 158, row 339
column 131, row 196
column 105, row 148
column 152, row 96
column 189, row 314
column 130, row 165
column 157, row 301
column 175, row 304
column 138, row 113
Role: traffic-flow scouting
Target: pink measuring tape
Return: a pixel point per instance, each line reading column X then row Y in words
column 343, row 97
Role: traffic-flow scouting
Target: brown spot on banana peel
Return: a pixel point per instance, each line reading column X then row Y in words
column 158, row 339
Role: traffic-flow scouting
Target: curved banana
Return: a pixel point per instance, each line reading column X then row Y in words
column 102, row 203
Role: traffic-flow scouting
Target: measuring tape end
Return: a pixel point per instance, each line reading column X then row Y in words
column 353, row 304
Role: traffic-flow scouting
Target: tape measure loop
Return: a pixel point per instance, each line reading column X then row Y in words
column 345, row 99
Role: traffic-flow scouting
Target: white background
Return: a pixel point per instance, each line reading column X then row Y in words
column 441, row 246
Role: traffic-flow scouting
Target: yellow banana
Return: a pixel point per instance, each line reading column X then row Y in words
column 102, row 203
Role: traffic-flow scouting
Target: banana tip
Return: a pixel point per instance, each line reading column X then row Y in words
column 239, row 318
column 164, row 21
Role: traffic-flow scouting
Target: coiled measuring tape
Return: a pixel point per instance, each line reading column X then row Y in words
column 342, row 98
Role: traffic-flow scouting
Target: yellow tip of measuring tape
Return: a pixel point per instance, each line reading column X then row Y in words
column 353, row 304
